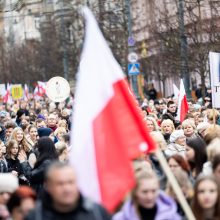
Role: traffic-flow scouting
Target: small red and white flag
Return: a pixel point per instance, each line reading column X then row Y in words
column 26, row 92
column 40, row 89
column 7, row 96
column 176, row 92
column 108, row 129
column 182, row 103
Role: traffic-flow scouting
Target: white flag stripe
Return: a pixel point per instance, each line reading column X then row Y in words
column 182, row 93
column 176, row 92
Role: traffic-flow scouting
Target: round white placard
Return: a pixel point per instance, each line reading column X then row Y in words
column 58, row 89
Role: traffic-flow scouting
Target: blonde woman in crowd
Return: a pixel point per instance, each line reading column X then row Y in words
column 189, row 128
column 151, row 124
column 63, row 124
column 25, row 149
column 212, row 115
column 167, row 127
column 212, row 132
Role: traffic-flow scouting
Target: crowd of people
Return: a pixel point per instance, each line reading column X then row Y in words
column 36, row 181
column 192, row 150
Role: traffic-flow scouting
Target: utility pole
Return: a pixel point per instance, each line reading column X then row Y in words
column 183, row 50
column 133, row 78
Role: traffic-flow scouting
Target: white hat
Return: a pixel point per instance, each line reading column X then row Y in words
column 8, row 182
column 175, row 135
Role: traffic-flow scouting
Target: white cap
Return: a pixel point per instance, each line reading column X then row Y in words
column 8, row 182
column 175, row 135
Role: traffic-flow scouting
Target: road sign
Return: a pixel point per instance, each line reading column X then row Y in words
column 133, row 68
column 131, row 41
column 58, row 89
column 132, row 57
column 17, row 91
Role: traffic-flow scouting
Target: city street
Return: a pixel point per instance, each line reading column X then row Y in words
column 109, row 110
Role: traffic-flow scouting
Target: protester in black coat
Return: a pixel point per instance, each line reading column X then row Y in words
column 13, row 162
column 85, row 210
column 46, row 155
column 61, row 199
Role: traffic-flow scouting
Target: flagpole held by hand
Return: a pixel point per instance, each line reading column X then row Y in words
column 175, row 185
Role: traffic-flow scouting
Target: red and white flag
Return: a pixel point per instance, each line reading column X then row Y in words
column 182, row 103
column 26, row 92
column 40, row 89
column 176, row 92
column 7, row 96
column 108, row 129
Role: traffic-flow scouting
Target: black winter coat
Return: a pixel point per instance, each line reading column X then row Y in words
column 14, row 165
column 37, row 176
column 86, row 210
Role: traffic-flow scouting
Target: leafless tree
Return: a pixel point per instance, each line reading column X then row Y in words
column 201, row 32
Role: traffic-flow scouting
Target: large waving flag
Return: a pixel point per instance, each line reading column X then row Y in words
column 182, row 104
column 108, row 130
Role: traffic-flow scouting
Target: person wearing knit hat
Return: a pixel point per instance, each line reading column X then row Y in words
column 175, row 135
column 41, row 116
column 8, row 184
column 177, row 144
column 44, row 132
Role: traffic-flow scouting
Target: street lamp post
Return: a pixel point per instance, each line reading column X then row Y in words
column 133, row 78
column 183, row 50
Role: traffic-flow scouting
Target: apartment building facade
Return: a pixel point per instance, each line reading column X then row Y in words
column 161, row 17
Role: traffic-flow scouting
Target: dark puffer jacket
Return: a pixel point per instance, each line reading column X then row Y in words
column 85, row 210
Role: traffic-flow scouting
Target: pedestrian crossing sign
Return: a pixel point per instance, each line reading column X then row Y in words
column 133, row 68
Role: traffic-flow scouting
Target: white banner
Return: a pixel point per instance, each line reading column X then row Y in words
column 2, row 89
column 214, row 60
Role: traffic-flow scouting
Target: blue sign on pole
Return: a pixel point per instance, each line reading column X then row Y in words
column 131, row 41
column 133, row 68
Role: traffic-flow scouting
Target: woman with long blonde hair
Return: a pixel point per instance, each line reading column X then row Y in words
column 25, row 149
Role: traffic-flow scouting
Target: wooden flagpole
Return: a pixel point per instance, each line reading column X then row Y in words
column 175, row 185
